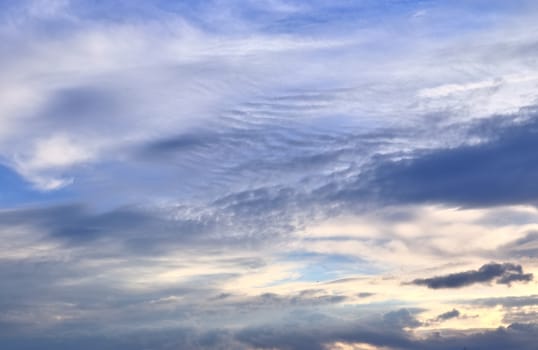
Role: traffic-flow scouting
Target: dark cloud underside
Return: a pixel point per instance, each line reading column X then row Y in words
column 505, row 273
column 496, row 172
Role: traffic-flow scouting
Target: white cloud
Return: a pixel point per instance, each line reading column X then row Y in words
column 164, row 79
column 48, row 158
column 57, row 152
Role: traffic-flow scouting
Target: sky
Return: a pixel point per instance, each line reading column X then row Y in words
column 268, row 174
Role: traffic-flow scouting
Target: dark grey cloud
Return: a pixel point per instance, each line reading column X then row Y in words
column 80, row 107
column 264, row 306
column 524, row 247
column 244, row 218
column 387, row 335
column 299, row 337
column 77, row 224
column 403, row 318
column 505, row 273
column 180, row 143
column 86, row 293
column 529, row 300
column 516, row 336
column 169, row 339
column 520, row 316
column 303, row 298
column 365, row 294
column 448, row 315
column 497, row 171
column 521, row 336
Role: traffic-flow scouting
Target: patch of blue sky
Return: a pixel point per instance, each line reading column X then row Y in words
column 325, row 267
column 15, row 191
column 318, row 18
column 326, row 17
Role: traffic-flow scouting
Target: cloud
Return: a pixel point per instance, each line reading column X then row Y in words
column 197, row 141
column 56, row 152
column 401, row 319
column 137, row 75
column 526, row 246
column 515, row 336
column 519, row 301
column 448, row 315
column 304, row 299
column 318, row 337
column 187, row 338
column 497, row 171
column 505, row 273
column 365, row 294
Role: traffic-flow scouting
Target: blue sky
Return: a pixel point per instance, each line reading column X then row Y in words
column 268, row 174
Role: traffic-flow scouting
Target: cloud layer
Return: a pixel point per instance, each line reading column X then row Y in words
column 505, row 273
column 268, row 174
